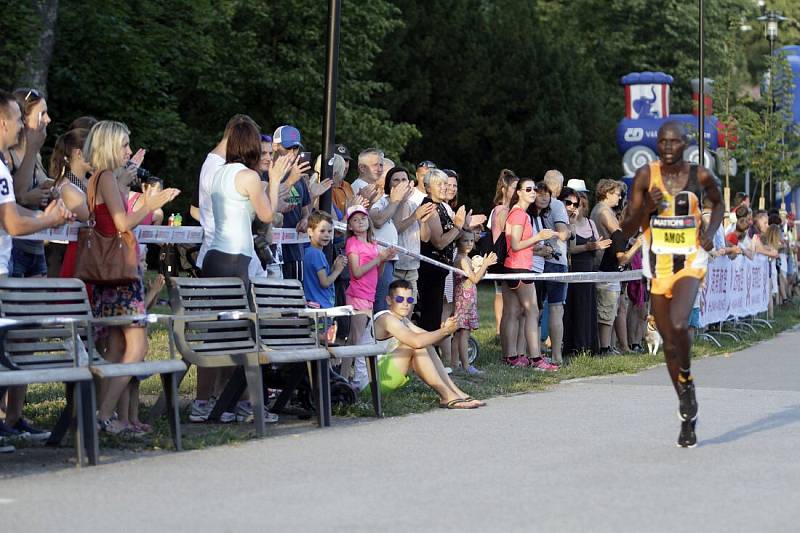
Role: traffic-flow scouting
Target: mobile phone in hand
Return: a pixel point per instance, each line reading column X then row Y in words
column 304, row 157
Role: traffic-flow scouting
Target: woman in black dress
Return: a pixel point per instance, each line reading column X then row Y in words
column 580, row 311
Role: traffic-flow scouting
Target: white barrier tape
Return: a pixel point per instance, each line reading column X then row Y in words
column 160, row 234
column 569, row 277
column 574, row 277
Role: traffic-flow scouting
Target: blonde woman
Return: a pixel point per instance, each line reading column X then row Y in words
column 107, row 148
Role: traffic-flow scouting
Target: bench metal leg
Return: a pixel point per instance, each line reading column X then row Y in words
column 374, row 385
column 231, row 394
column 64, row 419
column 160, row 408
column 320, row 388
column 325, row 385
column 79, row 430
column 90, row 437
column 255, row 385
column 170, row 383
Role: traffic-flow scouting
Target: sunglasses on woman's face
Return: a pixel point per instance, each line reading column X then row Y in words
column 528, row 189
column 401, row 299
column 569, row 203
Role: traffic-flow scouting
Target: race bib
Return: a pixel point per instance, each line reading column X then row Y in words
column 673, row 235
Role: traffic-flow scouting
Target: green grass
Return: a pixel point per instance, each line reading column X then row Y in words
column 45, row 402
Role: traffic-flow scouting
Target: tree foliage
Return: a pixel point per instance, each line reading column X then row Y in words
column 476, row 85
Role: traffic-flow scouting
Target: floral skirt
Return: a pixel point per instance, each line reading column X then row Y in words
column 118, row 300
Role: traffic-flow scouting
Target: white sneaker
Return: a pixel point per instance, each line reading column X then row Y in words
column 244, row 413
column 202, row 409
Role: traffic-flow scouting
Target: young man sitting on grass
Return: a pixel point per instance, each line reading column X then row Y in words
column 410, row 347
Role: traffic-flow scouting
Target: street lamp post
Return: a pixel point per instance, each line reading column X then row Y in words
column 702, row 97
column 772, row 20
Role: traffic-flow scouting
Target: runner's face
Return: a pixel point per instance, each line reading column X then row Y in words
column 322, row 234
column 670, row 145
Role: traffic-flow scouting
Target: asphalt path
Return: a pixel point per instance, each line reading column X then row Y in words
column 591, row 455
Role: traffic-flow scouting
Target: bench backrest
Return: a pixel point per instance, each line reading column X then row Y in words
column 284, row 296
column 35, row 347
column 199, row 296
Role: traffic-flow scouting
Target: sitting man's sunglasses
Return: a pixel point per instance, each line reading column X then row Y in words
column 401, row 299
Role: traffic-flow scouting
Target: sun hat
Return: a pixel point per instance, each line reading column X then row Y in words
column 577, row 185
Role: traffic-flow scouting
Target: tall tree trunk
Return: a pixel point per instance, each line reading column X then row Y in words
column 37, row 62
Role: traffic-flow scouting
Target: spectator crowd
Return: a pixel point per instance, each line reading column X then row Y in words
column 403, row 226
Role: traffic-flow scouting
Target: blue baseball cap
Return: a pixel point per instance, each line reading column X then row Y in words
column 288, row 137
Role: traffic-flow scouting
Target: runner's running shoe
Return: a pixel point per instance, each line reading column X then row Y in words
column 687, row 437
column 687, row 403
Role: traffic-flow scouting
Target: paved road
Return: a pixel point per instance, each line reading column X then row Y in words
column 594, row 455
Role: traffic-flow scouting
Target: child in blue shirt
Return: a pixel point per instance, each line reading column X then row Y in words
column 318, row 276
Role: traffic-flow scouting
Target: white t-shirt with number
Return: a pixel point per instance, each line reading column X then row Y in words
column 6, row 196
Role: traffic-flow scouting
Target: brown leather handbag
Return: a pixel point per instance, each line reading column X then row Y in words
column 102, row 259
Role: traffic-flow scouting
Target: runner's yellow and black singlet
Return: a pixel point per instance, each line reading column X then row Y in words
column 672, row 248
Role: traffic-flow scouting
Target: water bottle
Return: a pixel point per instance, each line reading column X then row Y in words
column 177, row 220
column 171, row 220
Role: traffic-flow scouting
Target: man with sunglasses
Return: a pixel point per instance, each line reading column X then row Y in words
column 408, row 346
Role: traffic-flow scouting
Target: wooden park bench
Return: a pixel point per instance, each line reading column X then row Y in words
column 50, row 347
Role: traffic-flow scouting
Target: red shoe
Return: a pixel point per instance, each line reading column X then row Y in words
column 519, row 361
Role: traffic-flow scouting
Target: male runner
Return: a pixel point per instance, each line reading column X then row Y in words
column 666, row 202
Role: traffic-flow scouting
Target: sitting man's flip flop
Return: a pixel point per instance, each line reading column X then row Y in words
column 459, row 403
